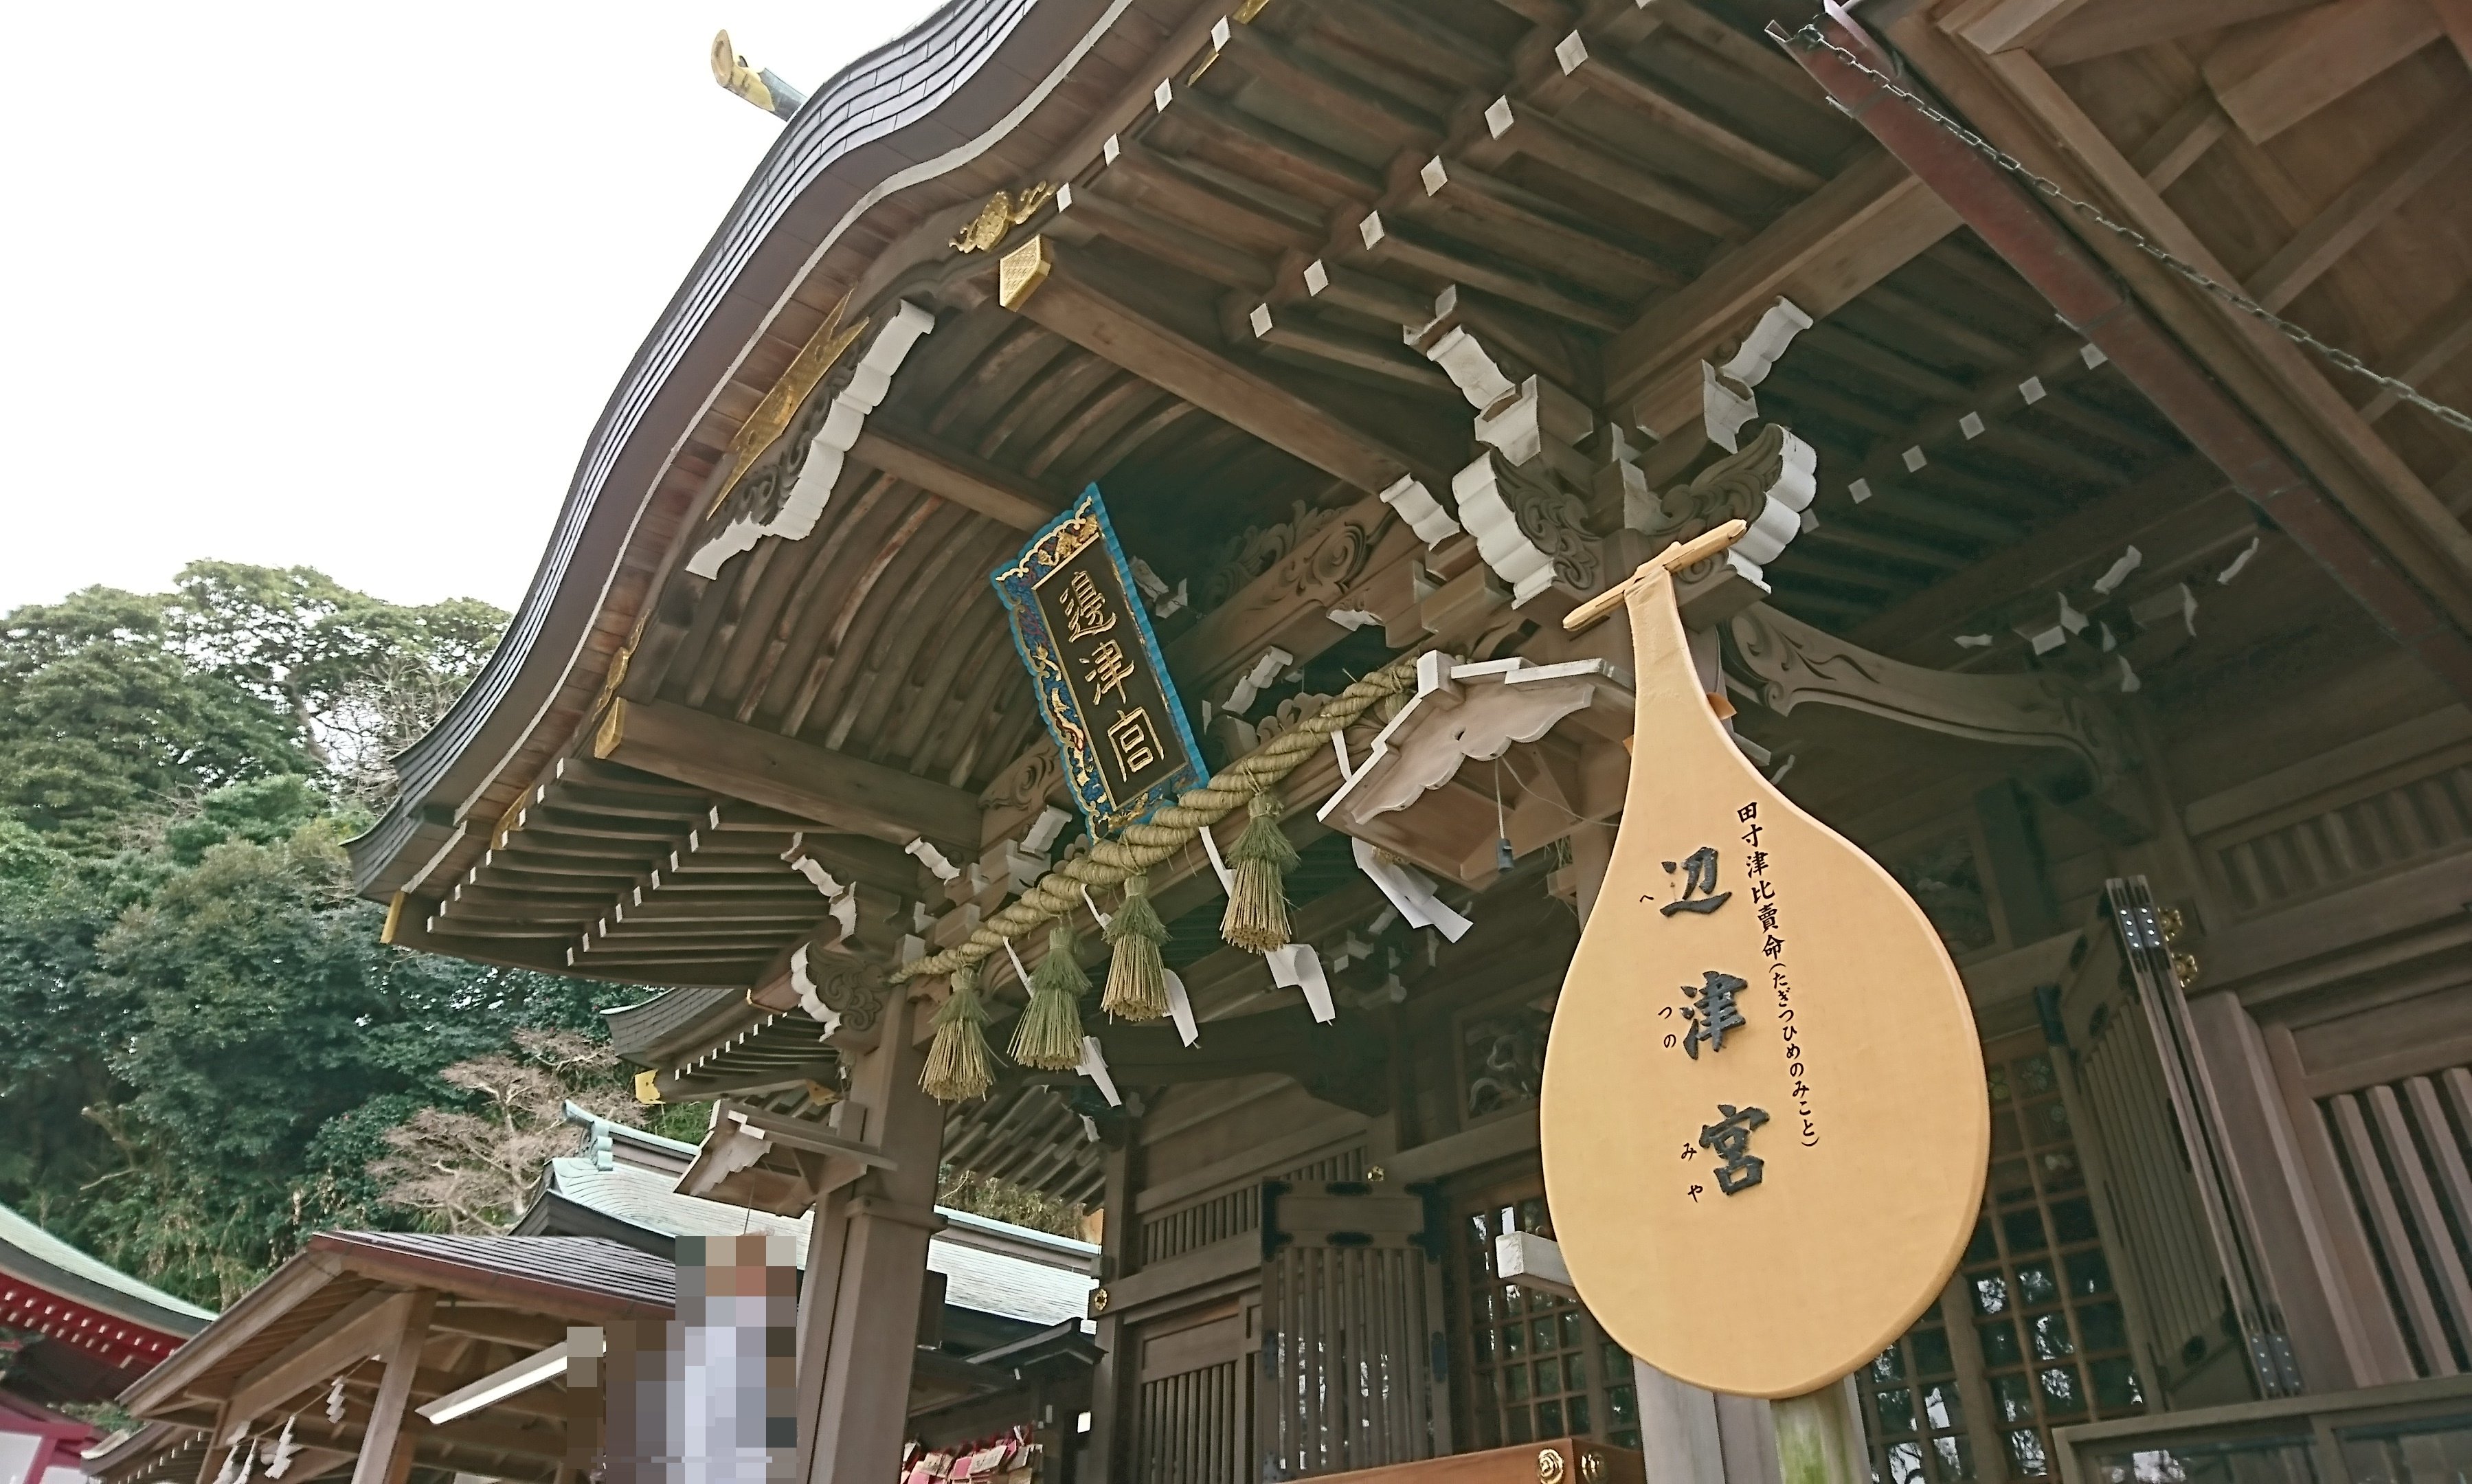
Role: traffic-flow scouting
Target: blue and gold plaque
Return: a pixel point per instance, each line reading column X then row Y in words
column 1103, row 686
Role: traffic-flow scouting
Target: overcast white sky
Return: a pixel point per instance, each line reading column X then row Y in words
column 345, row 285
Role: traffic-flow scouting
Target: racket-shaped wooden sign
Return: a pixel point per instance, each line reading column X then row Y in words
column 1765, row 1118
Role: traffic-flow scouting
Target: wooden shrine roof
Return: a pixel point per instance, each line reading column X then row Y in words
column 679, row 781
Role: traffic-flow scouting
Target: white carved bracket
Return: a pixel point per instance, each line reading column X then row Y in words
column 798, row 510
column 1530, row 530
column 1470, row 711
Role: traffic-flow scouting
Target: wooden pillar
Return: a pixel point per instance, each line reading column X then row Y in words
column 1820, row 1437
column 859, row 1320
column 1106, row 1445
column 386, row 1449
column 818, row 1294
column 2338, row 1329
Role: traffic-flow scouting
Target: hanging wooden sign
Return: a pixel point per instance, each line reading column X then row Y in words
column 1765, row 1118
column 1103, row 686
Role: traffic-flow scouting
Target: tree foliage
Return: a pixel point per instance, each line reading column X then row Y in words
column 472, row 1170
column 204, row 1045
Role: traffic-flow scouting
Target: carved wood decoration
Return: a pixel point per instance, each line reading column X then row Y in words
column 786, row 501
column 1463, row 712
column 1532, row 530
column 1793, row 662
column 1759, row 1035
column 1767, row 486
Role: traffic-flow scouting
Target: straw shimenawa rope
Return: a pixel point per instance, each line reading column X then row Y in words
column 1174, row 827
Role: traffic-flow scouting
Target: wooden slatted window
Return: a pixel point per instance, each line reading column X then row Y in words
column 2405, row 1148
column 1913, row 1414
column 1198, row 1223
column 2046, row 1313
column 1190, row 1429
column 1530, row 1366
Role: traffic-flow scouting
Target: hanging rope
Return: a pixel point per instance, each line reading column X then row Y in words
column 1173, row 828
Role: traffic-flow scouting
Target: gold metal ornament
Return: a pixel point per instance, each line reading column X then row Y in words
column 1003, row 212
column 1098, row 1301
column 772, row 416
column 1592, row 1466
column 1549, row 1466
column 731, row 71
column 1023, row 269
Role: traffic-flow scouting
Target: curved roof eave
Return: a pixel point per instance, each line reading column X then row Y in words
column 925, row 105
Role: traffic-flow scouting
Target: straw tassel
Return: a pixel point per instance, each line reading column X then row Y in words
column 1049, row 1036
column 959, row 1064
column 1257, row 891
column 1136, row 973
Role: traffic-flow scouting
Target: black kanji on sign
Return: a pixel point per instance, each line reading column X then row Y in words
column 1730, row 1140
column 1711, row 1011
column 1699, row 892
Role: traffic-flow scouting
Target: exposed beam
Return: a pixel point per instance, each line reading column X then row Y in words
column 2455, row 16
column 1379, row 239
column 2271, row 80
column 386, row 1454
column 2285, row 388
column 955, row 474
column 2359, row 211
column 2079, row 289
column 2183, row 140
column 1918, row 629
column 1297, row 336
column 361, row 1330
column 782, row 773
column 1468, row 204
column 1082, row 213
column 2113, row 26
column 2442, row 336
column 1855, row 230
column 1515, row 128
column 1619, row 85
column 1997, row 25
column 1044, row 282
column 1341, row 98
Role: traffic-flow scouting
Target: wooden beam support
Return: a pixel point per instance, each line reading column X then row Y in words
column 955, row 474
column 1380, row 240
column 783, row 773
column 1855, row 230
column 1997, row 25
column 1044, row 282
column 2182, row 141
column 1494, row 214
column 1360, row 110
column 1516, row 128
column 2114, row 26
column 1082, row 213
column 2084, row 293
column 386, row 1453
column 2359, row 211
column 361, row 1330
column 1297, row 336
column 1618, row 83
column 2271, row 80
column 2442, row 337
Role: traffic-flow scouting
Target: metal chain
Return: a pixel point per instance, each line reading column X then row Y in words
column 1810, row 35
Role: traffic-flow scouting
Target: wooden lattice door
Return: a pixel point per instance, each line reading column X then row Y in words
column 1353, row 1354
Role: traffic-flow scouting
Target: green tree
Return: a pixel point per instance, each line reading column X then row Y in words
column 360, row 677
column 204, row 1045
column 103, row 718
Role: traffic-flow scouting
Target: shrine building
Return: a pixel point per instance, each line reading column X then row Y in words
column 2128, row 631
